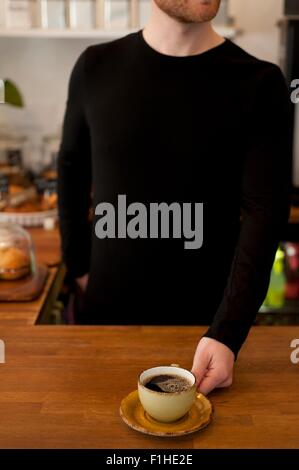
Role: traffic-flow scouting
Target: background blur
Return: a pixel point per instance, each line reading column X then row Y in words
column 40, row 63
column 40, row 41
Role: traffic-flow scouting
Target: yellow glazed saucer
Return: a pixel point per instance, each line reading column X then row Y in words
column 137, row 418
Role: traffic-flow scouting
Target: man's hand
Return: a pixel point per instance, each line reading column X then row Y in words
column 82, row 282
column 213, row 365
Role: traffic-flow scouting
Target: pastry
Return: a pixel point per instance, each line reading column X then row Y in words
column 15, row 188
column 29, row 206
column 50, row 174
column 49, row 202
column 14, row 263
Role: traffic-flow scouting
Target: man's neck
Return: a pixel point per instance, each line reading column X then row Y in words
column 172, row 37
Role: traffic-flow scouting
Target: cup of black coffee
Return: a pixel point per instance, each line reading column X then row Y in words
column 167, row 392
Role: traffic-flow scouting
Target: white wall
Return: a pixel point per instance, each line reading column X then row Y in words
column 41, row 68
column 258, row 19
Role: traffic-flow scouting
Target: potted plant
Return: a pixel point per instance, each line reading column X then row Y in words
column 13, row 96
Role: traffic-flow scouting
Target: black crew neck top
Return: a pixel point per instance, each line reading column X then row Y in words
column 212, row 128
column 156, row 55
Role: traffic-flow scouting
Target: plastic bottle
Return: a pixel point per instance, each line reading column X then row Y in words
column 276, row 291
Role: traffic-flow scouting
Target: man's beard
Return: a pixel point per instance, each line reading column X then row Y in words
column 190, row 11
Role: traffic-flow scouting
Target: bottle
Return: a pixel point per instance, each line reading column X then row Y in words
column 18, row 14
column 292, row 270
column 276, row 292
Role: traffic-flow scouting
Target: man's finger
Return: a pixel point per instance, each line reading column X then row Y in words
column 208, row 384
column 199, row 369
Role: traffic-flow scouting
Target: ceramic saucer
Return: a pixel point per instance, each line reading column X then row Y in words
column 134, row 415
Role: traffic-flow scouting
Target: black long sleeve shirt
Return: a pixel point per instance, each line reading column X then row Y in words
column 212, row 128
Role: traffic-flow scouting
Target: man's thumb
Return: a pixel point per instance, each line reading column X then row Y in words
column 207, row 384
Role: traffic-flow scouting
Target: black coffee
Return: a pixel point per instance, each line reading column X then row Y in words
column 167, row 383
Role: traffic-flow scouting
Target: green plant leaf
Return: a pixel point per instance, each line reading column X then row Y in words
column 12, row 94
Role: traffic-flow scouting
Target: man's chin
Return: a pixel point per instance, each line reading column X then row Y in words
column 191, row 11
column 194, row 19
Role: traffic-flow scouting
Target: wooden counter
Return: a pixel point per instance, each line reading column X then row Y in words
column 294, row 215
column 47, row 250
column 62, row 386
column 26, row 313
column 47, row 245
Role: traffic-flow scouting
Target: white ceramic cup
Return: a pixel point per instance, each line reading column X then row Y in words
column 166, row 406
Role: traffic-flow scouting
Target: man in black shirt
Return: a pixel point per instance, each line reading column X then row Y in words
column 175, row 114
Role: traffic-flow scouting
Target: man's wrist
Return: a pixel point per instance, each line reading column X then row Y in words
column 82, row 281
column 210, row 333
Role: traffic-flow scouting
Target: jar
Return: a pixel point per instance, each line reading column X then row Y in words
column 50, row 149
column 12, row 150
column 4, row 185
column 82, row 14
column 19, row 13
column 54, row 15
column 17, row 258
column 117, row 14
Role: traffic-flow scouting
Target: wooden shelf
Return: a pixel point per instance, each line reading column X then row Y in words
column 63, row 33
column 107, row 34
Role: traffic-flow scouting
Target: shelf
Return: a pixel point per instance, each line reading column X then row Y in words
column 288, row 314
column 224, row 31
column 63, row 33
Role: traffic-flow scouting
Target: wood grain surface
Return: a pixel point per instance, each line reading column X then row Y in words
column 26, row 313
column 62, row 386
column 47, row 245
column 25, row 289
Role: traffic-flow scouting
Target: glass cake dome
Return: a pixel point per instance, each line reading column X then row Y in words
column 17, row 258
